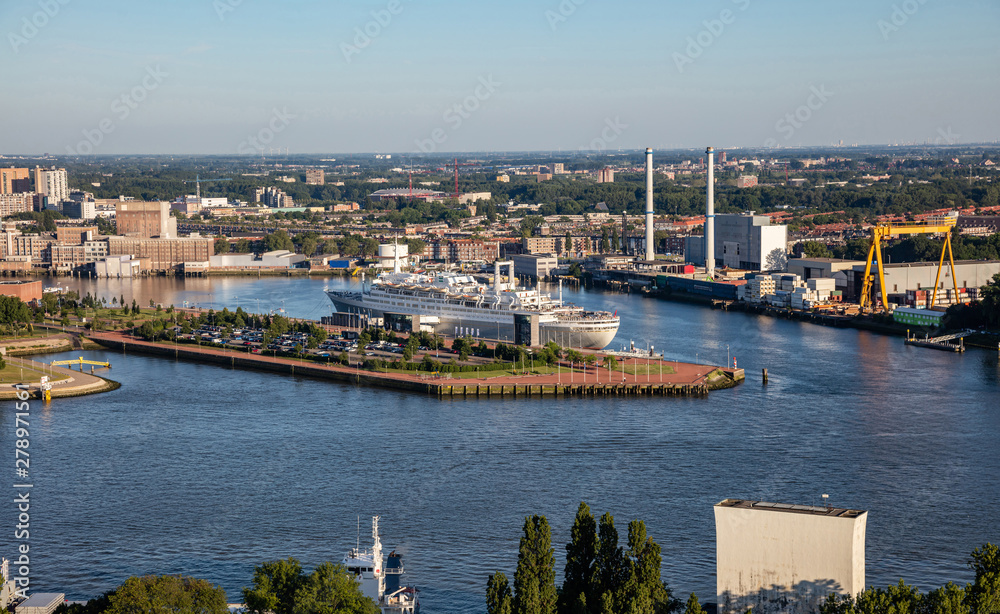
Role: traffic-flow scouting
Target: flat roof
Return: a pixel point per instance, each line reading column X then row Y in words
column 816, row 510
column 42, row 600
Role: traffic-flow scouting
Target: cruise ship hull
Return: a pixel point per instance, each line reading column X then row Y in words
column 589, row 333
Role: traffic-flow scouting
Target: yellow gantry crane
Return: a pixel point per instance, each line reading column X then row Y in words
column 882, row 232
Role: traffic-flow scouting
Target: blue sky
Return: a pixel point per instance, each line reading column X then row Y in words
column 229, row 76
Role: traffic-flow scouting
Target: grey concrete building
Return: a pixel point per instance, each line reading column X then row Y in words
column 775, row 557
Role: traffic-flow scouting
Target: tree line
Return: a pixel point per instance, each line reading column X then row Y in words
column 279, row 587
column 599, row 577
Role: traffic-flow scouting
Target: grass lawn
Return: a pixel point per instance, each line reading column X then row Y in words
column 13, row 374
column 654, row 368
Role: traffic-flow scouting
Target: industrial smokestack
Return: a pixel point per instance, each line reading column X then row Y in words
column 710, row 215
column 650, row 248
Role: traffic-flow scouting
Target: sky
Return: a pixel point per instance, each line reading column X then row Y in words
column 107, row 77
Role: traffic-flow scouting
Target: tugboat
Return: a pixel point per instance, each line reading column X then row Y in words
column 380, row 577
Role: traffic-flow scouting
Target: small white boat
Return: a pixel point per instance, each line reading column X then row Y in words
column 381, row 577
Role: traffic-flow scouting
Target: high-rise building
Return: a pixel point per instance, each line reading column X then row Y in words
column 605, row 175
column 52, row 183
column 273, row 197
column 14, row 180
column 16, row 203
column 779, row 558
column 558, row 168
column 315, row 177
column 722, row 157
column 145, row 220
column 746, row 181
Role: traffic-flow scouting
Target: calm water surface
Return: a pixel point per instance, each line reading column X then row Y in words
column 206, row 471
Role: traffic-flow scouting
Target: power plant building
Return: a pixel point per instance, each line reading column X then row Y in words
column 747, row 242
column 775, row 557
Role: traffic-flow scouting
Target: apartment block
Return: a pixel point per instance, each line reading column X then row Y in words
column 145, row 219
column 22, row 202
column 14, row 180
column 315, row 177
column 52, row 183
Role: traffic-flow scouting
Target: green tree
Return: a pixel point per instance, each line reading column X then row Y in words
column 581, row 552
column 984, row 593
column 949, row 599
column 278, row 240
column 14, row 314
column 167, row 595
column 331, row 589
column 643, row 590
column 609, row 564
column 222, row 245
column 534, row 579
column 693, row 607
column 989, row 298
column 275, row 584
column 815, row 249
column 498, row 596
column 568, row 244
column 242, row 246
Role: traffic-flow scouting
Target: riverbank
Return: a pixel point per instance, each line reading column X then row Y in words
column 637, row 377
column 66, row 383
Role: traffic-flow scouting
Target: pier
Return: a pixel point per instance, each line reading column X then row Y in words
column 646, row 378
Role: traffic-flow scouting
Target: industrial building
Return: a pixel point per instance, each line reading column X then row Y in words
column 919, row 276
column 775, row 557
column 747, row 242
column 163, row 254
column 532, row 265
column 27, row 291
column 280, row 259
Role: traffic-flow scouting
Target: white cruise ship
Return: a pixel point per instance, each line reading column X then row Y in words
column 456, row 304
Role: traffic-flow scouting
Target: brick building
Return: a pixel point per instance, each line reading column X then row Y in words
column 163, row 254
column 145, row 219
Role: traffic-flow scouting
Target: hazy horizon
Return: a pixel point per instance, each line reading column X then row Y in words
column 224, row 77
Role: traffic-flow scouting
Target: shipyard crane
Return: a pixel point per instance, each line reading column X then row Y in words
column 882, row 232
column 457, row 194
column 198, row 181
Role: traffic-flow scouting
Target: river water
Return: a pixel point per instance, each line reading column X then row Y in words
column 207, row 471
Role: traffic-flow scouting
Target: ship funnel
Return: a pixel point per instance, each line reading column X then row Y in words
column 710, row 215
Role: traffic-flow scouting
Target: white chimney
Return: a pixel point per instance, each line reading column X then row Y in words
column 650, row 251
column 710, row 215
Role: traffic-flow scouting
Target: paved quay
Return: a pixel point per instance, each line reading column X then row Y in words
column 688, row 380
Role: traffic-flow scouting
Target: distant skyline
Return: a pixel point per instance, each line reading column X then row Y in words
column 419, row 76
